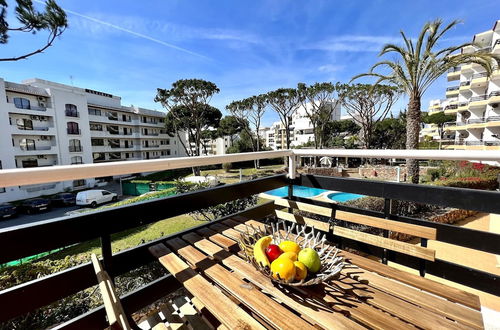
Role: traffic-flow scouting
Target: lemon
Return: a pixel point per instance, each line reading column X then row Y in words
column 290, row 255
column 283, row 268
column 300, row 270
column 289, row 246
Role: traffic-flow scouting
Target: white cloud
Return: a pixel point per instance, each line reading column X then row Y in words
column 328, row 68
column 353, row 43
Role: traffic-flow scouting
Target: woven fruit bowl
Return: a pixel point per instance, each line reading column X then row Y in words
column 294, row 255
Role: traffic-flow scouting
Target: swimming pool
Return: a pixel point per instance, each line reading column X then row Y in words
column 343, row 197
column 298, row 191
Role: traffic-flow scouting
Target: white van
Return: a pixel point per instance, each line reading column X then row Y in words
column 95, row 197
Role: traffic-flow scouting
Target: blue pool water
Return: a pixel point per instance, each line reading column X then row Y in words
column 343, row 197
column 301, row 191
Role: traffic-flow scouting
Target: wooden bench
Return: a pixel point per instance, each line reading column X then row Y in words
column 178, row 315
column 375, row 240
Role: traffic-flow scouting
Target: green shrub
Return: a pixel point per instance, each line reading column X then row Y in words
column 141, row 181
column 469, row 182
column 404, row 208
column 227, row 167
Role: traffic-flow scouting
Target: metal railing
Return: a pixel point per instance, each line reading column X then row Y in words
column 72, row 113
column 25, row 240
column 454, row 69
column 453, row 88
column 495, row 93
column 478, row 98
column 73, row 131
column 475, row 120
column 465, row 83
column 451, row 107
column 493, row 118
column 480, row 75
column 75, row 148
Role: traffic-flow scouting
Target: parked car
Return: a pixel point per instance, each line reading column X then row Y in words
column 7, row 211
column 95, row 197
column 63, row 199
column 31, row 206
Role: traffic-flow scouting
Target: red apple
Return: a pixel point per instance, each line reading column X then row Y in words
column 273, row 252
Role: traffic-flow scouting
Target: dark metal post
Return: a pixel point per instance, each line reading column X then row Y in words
column 423, row 243
column 387, row 212
column 107, row 254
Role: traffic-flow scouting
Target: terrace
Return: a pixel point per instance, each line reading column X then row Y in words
column 31, row 239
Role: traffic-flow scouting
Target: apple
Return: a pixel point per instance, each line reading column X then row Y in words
column 273, row 252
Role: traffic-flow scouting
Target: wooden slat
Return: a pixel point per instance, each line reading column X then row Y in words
column 451, row 310
column 405, row 310
column 442, row 290
column 387, row 243
column 112, row 304
column 259, row 303
column 357, row 309
column 324, row 226
column 226, row 243
column 397, row 226
column 322, row 315
column 212, row 249
column 319, row 210
column 216, row 302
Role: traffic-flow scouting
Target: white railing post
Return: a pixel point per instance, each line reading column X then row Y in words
column 292, row 166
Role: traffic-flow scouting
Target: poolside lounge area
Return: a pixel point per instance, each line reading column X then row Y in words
column 228, row 292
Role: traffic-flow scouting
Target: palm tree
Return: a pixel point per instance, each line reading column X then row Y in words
column 418, row 66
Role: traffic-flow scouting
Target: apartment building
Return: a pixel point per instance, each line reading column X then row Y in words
column 45, row 123
column 301, row 130
column 474, row 98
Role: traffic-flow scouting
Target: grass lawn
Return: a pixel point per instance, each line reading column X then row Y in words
column 130, row 238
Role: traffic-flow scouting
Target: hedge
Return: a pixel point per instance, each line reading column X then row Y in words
column 469, row 182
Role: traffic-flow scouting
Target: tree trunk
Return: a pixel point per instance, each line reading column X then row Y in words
column 412, row 132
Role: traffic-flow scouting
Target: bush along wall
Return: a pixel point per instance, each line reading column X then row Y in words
column 139, row 187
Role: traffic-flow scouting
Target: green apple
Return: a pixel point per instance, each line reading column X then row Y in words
column 310, row 258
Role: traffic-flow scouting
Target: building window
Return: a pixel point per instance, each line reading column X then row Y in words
column 75, row 145
column 21, row 103
column 27, row 144
column 95, row 127
column 94, row 112
column 30, row 163
column 98, row 156
column 2, row 190
column 24, row 124
column 76, row 160
column 97, row 142
column 71, row 110
column 79, row 183
column 72, row 128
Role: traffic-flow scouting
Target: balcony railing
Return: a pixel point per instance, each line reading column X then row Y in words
column 495, row 93
column 451, row 107
column 75, row 148
column 73, row 131
column 26, row 240
column 29, row 148
column 454, row 69
column 478, row 98
column 453, row 88
column 493, row 118
column 465, row 83
column 30, row 107
column 475, row 120
column 480, row 75
column 483, row 143
column 72, row 113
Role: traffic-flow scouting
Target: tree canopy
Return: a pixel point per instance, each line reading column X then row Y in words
column 285, row 101
column 319, row 102
column 367, row 105
column 189, row 112
column 52, row 19
column 415, row 66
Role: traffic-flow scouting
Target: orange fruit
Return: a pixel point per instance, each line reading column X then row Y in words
column 283, row 268
column 300, row 270
column 289, row 246
column 290, row 255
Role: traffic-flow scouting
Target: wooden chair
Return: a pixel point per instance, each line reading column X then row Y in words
column 360, row 219
column 181, row 314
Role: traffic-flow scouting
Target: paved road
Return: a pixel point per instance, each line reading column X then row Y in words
column 22, row 219
column 56, row 212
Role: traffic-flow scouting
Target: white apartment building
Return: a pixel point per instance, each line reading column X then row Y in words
column 45, row 123
column 474, row 98
column 301, row 130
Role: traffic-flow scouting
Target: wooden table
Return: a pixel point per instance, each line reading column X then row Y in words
column 373, row 295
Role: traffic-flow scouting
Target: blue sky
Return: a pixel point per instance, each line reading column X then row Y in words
column 129, row 48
